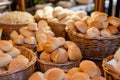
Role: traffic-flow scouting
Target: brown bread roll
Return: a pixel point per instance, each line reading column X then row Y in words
column 113, row 29
column 40, row 46
column 96, row 24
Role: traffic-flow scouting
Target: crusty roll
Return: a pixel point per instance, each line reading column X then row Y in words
column 5, row 59
column 40, row 46
column 114, row 21
column 37, row 76
column 64, row 20
column 40, row 30
column 49, row 34
column 99, row 78
column 70, row 24
column 32, row 26
column 96, row 24
column 14, row 52
column 73, row 71
column 82, row 27
column 53, row 43
column 42, row 23
column 54, row 74
column 117, row 55
column 59, row 56
column 74, row 53
column 93, row 14
column 39, row 14
column 30, row 40
column 56, row 11
column 85, row 19
column 81, row 13
column 19, row 39
column 80, row 76
column 69, row 43
column 92, row 30
column 93, row 70
column 106, row 33
column 5, row 45
column 105, row 24
column 13, row 34
column 75, row 18
column 48, row 12
column 41, row 38
column 45, row 56
column 19, row 62
column 113, row 29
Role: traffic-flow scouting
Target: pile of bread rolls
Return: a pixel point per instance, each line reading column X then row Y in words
column 57, row 50
column 32, row 34
column 59, row 14
column 87, row 70
column 10, row 57
column 98, row 24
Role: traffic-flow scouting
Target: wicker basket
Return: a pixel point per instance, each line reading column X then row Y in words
column 95, row 48
column 25, row 72
column 109, row 73
column 44, row 66
column 8, row 28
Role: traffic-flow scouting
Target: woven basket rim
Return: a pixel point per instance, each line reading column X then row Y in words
column 18, row 24
column 95, row 38
column 33, row 60
column 56, row 64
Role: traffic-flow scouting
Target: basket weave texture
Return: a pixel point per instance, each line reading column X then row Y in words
column 44, row 66
column 25, row 72
column 108, row 73
column 8, row 28
column 95, row 48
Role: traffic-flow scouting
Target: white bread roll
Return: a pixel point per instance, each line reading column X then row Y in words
column 54, row 74
column 82, row 27
column 73, row 71
column 74, row 53
column 14, row 52
column 114, row 21
column 25, row 32
column 93, row 70
column 37, row 76
column 92, row 30
column 40, row 46
column 42, row 23
column 99, row 78
column 67, row 77
column 96, row 24
column 80, row 76
column 13, row 34
column 41, row 38
column 19, row 39
column 32, row 26
column 53, row 43
column 49, row 34
column 59, row 56
column 117, row 55
column 19, row 62
column 5, row 59
column 113, row 29
column 106, row 33
column 45, row 56
column 5, row 45
column 30, row 40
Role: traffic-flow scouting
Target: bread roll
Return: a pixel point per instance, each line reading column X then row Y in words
column 57, row 10
column 105, row 24
column 59, row 56
column 73, row 71
column 81, row 13
column 32, row 26
column 96, row 24
column 40, row 31
column 67, row 77
column 30, row 40
column 54, row 43
column 42, row 23
column 62, row 15
column 13, row 34
column 93, row 70
column 64, row 20
column 48, row 11
column 74, row 53
column 41, row 38
column 68, row 44
column 93, row 14
column 106, row 33
column 54, row 74
column 40, row 46
column 49, row 34
column 84, row 19
column 5, row 45
column 82, row 27
column 5, row 59
column 113, row 29
column 80, row 76
column 117, row 55
column 45, row 56
column 114, row 21
column 37, row 76
column 75, row 18
column 19, row 39
column 1, row 31
column 92, row 30
column 99, row 78
column 19, row 62
column 70, row 24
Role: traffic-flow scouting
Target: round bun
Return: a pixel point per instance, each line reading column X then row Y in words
column 114, row 21
column 45, row 56
column 106, row 33
column 96, row 24
column 113, row 29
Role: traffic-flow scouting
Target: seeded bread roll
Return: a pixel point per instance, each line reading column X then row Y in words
column 45, row 56
column 106, row 33
column 113, row 29
column 114, row 21
column 5, row 59
column 5, row 45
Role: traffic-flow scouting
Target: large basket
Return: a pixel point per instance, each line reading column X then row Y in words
column 25, row 72
column 8, row 28
column 95, row 48
column 109, row 73
column 44, row 66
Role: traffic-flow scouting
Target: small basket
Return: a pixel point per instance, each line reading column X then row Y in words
column 109, row 74
column 95, row 48
column 8, row 28
column 25, row 72
column 44, row 66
